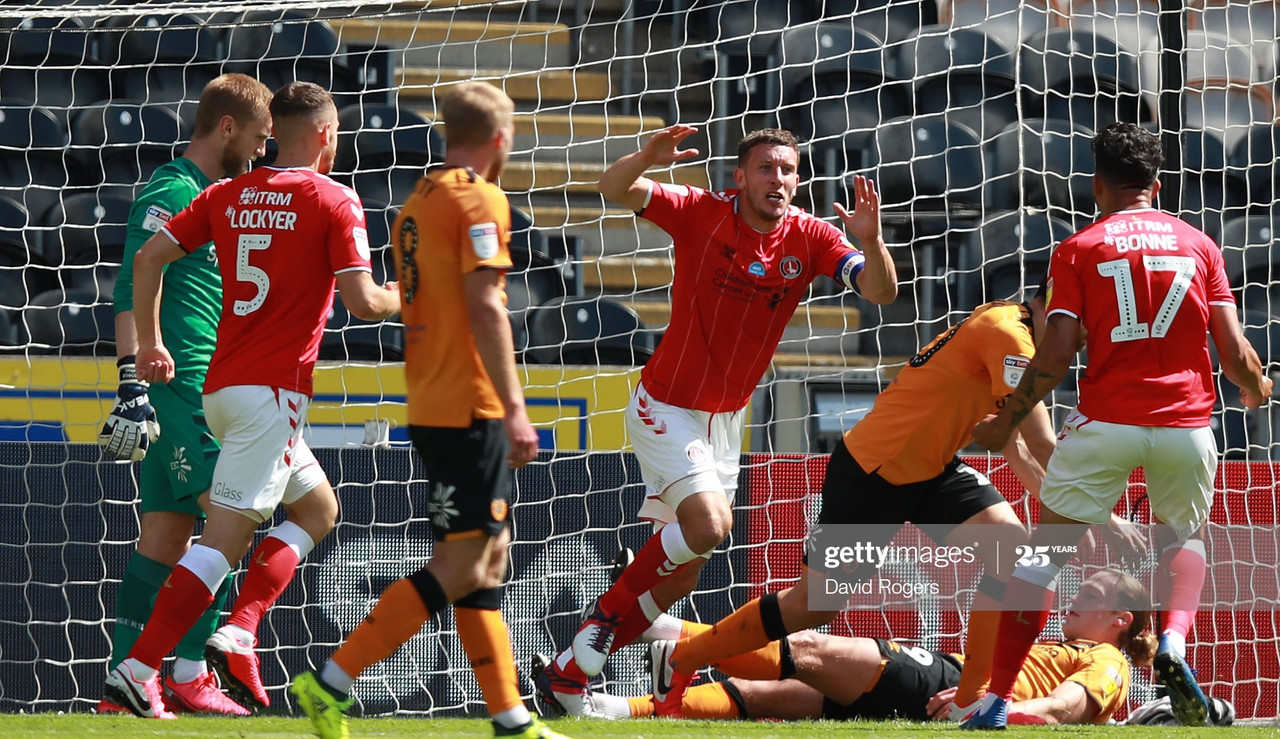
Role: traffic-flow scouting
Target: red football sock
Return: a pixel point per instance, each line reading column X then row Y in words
column 181, row 601
column 270, row 569
column 1185, row 566
column 649, row 568
column 1018, row 632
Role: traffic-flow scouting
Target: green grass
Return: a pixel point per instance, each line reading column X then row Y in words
column 17, row 726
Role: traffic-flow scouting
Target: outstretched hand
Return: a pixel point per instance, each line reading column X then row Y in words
column 864, row 222
column 663, row 147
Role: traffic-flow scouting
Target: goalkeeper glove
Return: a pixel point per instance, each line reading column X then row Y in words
column 132, row 424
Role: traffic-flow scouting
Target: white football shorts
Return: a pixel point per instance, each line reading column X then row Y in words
column 1090, row 468
column 682, row 452
column 264, row 460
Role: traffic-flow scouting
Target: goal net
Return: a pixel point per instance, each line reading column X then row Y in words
column 974, row 118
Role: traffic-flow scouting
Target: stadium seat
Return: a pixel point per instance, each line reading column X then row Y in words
column 70, row 322
column 1007, row 252
column 1251, row 251
column 1130, row 23
column 86, row 228
column 836, row 90
column 281, row 47
column 927, row 163
column 388, row 185
column 963, row 73
column 32, row 168
column 534, row 279
column 523, row 234
column 890, row 20
column 1008, row 21
column 378, row 217
column 1044, row 163
column 745, row 35
column 1083, row 78
column 349, row 338
column 125, row 141
column 1211, row 192
column 48, row 61
column 1253, row 26
column 161, row 59
column 587, row 331
column 372, row 136
column 1255, row 156
column 1226, row 109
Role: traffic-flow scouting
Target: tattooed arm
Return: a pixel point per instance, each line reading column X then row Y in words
column 1048, row 367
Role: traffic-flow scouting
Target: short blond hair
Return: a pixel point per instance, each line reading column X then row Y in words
column 474, row 112
column 237, row 95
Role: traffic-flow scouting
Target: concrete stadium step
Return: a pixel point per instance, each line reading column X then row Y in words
column 575, row 178
column 462, row 42
column 417, row 84
column 823, row 317
column 604, row 231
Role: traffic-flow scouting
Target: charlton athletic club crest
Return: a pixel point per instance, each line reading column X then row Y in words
column 791, row 267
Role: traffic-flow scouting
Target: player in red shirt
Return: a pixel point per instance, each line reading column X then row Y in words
column 744, row 259
column 1145, row 288
column 282, row 233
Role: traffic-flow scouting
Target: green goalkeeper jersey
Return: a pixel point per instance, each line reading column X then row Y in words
column 191, row 296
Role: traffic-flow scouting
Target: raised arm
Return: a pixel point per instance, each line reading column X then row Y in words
column 1240, row 363
column 878, row 280
column 624, row 182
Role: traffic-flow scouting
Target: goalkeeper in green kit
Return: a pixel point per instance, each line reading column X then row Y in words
column 172, row 441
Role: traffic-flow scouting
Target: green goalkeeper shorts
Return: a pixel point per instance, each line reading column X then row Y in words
column 179, row 466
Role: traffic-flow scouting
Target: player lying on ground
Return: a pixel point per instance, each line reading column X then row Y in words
column 1084, row 678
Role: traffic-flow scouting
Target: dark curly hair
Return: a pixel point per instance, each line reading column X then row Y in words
column 1127, row 156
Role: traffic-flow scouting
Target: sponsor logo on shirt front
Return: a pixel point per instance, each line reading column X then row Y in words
column 791, row 267
column 757, row 269
column 484, row 239
column 155, row 218
column 1014, row 366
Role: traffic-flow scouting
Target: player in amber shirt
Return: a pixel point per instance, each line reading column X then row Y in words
column 467, row 419
column 744, row 259
column 1081, row 679
column 899, row 464
column 283, row 234
column 1146, row 288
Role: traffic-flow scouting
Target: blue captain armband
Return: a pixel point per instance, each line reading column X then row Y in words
column 848, row 268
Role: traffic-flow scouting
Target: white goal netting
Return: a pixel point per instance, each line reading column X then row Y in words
column 973, row 117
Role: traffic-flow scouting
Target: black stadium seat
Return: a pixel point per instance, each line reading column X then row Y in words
column 927, row 163
column 1256, row 156
column 1044, row 163
column 125, row 141
column 86, row 229
column 70, row 322
column 376, row 136
column 1251, row 251
column 162, row 59
column 1006, row 253
column 963, row 73
column 534, row 280
column 281, row 47
column 1082, row 78
column 49, row 62
column 890, row 20
column 32, row 167
column 587, row 331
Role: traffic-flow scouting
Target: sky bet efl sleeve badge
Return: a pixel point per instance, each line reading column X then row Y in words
column 484, row 239
column 1014, row 366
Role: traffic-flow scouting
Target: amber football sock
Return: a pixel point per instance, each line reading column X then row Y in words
column 739, row 632
column 979, row 648
column 398, row 615
column 488, row 646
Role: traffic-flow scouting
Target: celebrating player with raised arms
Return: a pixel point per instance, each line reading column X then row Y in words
column 744, row 258
column 283, row 233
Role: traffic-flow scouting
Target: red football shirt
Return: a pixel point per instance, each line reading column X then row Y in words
column 1141, row 283
column 734, row 291
column 280, row 235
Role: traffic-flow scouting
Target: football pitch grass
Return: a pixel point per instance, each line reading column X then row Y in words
column 15, row 726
